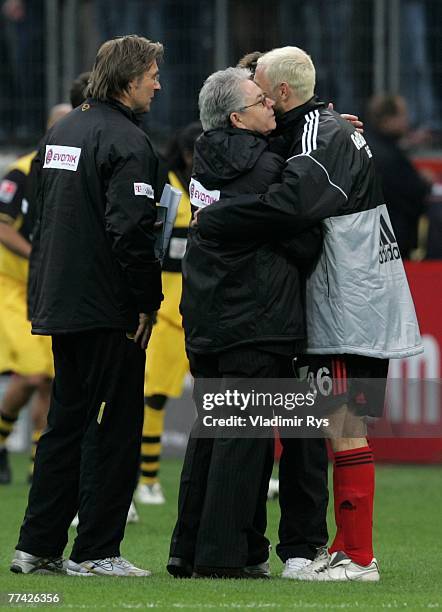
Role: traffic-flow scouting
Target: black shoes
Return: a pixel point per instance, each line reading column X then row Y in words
column 5, row 469
column 259, row 571
column 179, row 568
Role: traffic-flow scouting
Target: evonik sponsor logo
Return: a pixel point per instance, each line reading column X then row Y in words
column 388, row 248
column 200, row 196
column 61, row 157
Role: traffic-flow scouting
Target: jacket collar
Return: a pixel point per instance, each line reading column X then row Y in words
column 291, row 117
column 128, row 112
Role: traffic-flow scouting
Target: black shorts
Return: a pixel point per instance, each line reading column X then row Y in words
column 355, row 380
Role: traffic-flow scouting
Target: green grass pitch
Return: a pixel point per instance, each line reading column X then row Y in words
column 408, row 544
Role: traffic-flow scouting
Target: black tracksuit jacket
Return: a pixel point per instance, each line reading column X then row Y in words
column 93, row 263
column 242, row 293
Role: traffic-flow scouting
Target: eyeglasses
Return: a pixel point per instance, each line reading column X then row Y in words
column 262, row 100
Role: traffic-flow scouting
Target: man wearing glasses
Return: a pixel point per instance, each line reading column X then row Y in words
column 358, row 305
column 243, row 319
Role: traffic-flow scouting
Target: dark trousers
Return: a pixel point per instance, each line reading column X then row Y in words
column 303, row 497
column 87, row 459
column 224, row 481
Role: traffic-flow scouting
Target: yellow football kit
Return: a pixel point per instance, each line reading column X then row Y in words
column 20, row 352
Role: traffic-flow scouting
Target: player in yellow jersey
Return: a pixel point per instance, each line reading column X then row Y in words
column 27, row 357
column 166, row 362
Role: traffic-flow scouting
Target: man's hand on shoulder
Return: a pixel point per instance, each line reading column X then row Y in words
column 353, row 119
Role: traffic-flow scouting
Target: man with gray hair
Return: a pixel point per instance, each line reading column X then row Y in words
column 95, row 286
column 358, row 305
column 243, row 319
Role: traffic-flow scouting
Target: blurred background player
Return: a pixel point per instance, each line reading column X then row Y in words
column 27, row 357
column 405, row 189
column 77, row 93
column 249, row 61
column 166, row 361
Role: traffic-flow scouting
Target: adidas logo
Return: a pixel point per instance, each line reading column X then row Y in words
column 388, row 248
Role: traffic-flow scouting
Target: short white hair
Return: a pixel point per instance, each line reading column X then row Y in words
column 293, row 66
column 221, row 95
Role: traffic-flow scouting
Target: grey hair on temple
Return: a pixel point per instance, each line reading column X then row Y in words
column 221, row 95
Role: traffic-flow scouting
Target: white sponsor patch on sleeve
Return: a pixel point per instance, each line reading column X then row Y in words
column 61, row 157
column 7, row 191
column 144, row 189
column 200, row 196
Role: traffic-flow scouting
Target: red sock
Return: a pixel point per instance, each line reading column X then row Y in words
column 338, row 542
column 354, row 493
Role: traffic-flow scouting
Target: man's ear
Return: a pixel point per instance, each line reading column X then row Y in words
column 284, row 90
column 133, row 84
column 235, row 119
